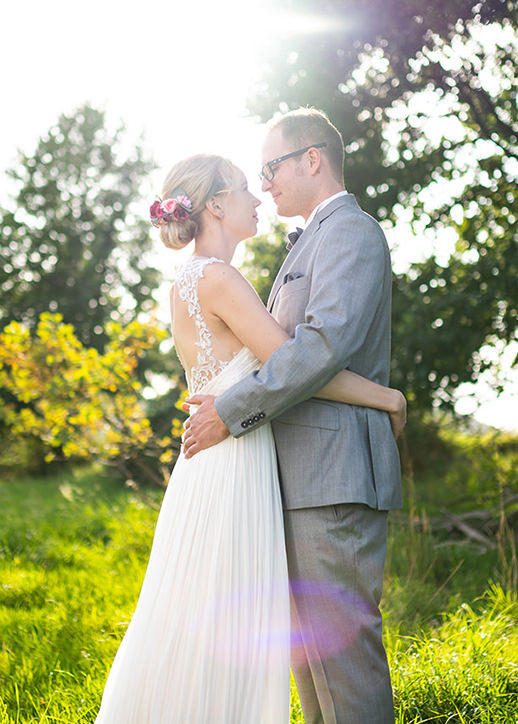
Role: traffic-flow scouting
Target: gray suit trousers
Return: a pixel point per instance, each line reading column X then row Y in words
column 336, row 555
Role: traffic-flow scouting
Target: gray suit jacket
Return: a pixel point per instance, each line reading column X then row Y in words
column 333, row 296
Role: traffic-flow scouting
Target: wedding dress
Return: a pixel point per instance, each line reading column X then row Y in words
column 209, row 640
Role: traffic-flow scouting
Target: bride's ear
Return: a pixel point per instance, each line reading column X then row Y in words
column 214, row 207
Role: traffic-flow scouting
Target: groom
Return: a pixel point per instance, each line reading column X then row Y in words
column 339, row 465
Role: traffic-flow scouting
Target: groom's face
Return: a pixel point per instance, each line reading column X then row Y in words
column 288, row 182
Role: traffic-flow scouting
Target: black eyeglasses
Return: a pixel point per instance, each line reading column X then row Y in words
column 267, row 170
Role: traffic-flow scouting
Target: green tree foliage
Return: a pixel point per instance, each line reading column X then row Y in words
column 263, row 259
column 80, row 403
column 425, row 97
column 72, row 243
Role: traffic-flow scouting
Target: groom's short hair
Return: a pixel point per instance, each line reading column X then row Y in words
column 305, row 126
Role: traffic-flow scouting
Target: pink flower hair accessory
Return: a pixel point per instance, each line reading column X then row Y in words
column 176, row 208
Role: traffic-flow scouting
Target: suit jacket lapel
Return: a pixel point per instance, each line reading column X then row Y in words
column 277, row 284
column 303, row 239
column 275, row 288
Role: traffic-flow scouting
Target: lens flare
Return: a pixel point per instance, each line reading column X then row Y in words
column 333, row 631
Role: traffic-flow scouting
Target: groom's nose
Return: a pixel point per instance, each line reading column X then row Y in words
column 266, row 185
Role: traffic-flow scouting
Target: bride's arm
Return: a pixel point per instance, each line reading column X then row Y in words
column 354, row 389
column 228, row 295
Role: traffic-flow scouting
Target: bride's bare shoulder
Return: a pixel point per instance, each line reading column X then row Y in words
column 222, row 276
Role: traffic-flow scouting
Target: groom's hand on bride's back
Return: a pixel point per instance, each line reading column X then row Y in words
column 204, row 427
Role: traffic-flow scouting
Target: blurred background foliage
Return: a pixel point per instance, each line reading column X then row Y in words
column 81, row 351
column 76, row 403
column 72, row 243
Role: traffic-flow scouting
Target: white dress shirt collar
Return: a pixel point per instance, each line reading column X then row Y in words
column 322, row 204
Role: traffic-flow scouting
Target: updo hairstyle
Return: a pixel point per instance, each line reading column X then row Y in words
column 199, row 177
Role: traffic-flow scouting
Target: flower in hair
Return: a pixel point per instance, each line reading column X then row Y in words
column 176, row 208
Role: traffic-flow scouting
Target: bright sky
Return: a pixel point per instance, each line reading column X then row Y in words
column 177, row 71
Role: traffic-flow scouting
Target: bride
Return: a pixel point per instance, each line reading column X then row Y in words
column 210, row 637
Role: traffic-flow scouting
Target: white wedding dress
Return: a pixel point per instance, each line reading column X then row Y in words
column 209, row 640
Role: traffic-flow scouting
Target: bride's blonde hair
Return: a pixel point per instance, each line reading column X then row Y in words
column 199, row 177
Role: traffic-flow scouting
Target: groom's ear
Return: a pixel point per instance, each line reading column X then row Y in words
column 314, row 161
column 214, row 207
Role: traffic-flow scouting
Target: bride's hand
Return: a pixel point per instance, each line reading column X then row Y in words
column 398, row 414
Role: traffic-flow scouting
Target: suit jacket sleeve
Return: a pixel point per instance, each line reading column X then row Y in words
column 348, row 281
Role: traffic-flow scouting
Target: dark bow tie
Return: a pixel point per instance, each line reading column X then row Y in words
column 292, row 237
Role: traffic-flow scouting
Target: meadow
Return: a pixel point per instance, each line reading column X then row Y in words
column 74, row 546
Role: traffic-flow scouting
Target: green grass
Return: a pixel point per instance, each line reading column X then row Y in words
column 73, row 554
column 463, row 670
column 73, row 550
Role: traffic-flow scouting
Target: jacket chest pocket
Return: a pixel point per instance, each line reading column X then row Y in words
column 291, row 302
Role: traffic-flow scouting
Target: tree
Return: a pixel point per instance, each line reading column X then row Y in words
column 83, row 404
column 425, row 97
column 263, row 259
column 73, row 243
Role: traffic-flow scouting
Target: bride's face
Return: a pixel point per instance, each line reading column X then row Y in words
column 239, row 206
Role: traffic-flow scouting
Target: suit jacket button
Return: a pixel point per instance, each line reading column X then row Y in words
column 261, row 415
column 256, row 418
column 250, row 421
column 244, row 423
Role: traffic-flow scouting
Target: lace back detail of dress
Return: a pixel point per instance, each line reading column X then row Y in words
column 187, row 284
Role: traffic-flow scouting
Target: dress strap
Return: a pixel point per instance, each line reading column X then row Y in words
column 187, row 284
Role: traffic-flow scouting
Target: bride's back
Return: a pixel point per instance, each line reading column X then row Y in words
column 204, row 343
